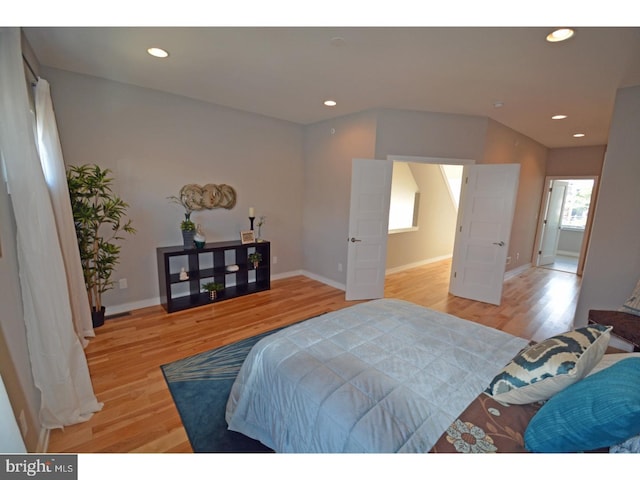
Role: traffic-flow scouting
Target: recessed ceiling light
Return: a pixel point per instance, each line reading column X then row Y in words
column 558, row 117
column 498, row 104
column 578, row 135
column 560, row 35
column 157, row 52
column 330, row 103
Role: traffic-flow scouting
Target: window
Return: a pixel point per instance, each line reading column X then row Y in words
column 576, row 204
column 405, row 196
column 453, row 177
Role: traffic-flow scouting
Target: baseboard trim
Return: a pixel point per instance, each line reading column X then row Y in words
column 409, row 266
column 516, row 271
column 567, row 253
column 326, row 281
column 127, row 307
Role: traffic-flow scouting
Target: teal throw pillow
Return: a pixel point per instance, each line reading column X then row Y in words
column 599, row 411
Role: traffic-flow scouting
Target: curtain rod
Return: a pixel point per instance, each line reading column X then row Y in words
column 26, row 62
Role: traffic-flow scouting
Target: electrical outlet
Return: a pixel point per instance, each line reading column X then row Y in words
column 123, row 283
column 339, row 267
column 508, row 260
column 517, row 256
column 275, row 259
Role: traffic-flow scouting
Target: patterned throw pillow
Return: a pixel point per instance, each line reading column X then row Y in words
column 632, row 305
column 542, row 370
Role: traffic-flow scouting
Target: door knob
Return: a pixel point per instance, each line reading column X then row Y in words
column 500, row 243
column 354, row 239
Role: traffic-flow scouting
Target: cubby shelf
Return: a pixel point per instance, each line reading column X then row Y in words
column 210, row 264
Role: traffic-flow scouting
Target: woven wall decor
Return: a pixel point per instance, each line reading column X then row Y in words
column 196, row 197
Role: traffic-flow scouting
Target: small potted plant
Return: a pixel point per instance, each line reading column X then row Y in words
column 213, row 288
column 187, row 226
column 255, row 258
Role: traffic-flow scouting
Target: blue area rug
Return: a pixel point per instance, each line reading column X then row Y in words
column 200, row 386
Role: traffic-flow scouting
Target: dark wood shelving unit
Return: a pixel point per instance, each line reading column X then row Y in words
column 210, row 264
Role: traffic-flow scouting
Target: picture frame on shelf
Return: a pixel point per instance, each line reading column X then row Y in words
column 247, row 237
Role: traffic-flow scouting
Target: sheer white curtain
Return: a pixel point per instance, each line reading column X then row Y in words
column 55, row 176
column 58, row 363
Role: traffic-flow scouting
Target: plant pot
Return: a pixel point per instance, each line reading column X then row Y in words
column 97, row 317
column 213, row 295
column 187, row 238
column 255, row 265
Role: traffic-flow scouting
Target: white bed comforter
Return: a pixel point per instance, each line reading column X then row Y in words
column 381, row 376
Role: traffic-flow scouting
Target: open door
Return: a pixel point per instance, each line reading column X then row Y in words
column 368, row 228
column 487, row 205
column 551, row 222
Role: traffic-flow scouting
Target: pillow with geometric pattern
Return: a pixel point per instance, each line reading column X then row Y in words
column 544, row 369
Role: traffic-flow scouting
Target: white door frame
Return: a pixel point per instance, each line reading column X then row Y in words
column 433, row 160
column 587, row 229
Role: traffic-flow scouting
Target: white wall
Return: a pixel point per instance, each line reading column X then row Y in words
column 613, row 262
column 155, row 143
column 329, row 148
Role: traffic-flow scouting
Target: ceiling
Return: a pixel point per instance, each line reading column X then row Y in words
column 287, row 72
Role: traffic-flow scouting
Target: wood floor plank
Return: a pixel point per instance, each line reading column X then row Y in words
column 126, row 355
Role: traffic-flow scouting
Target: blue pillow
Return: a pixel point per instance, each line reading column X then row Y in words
column 596, row 412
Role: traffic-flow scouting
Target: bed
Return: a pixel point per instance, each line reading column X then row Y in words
column 391, row 376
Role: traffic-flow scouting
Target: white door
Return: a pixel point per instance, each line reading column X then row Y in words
column 551, row 222
column 483, row 230
column 368, row 228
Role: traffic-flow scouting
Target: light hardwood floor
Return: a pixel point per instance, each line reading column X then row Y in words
column 125, row 356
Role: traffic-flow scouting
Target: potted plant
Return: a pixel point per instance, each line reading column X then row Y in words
column 261, row 221
column 100, row 220
column 213, row 288
column 255, row 258
column 187, row 226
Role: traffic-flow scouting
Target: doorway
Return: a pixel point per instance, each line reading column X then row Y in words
column 435, row 229
column 368, row 238
column 433, row 215
column 565, row 222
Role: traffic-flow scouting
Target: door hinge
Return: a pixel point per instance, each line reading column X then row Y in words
column 455, row 274
column 539, row 252
column 460, row 230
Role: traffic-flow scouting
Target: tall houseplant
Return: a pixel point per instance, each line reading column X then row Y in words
column 100, row 219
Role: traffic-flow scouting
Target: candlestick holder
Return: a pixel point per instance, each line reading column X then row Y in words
column 251, row 219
